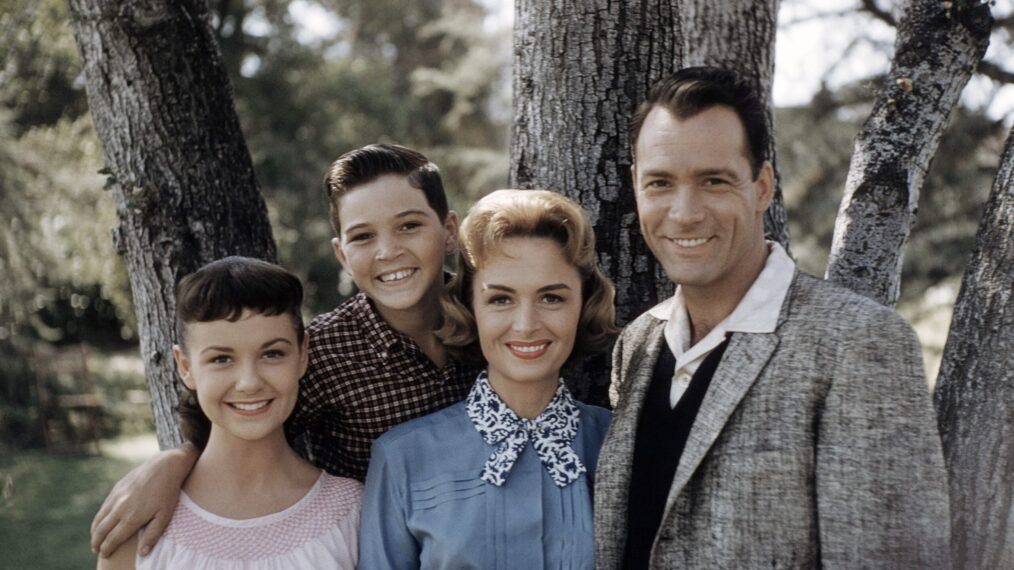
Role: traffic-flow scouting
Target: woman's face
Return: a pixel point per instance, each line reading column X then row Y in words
column 527, row 303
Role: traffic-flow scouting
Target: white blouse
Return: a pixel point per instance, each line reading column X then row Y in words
column 320, row 531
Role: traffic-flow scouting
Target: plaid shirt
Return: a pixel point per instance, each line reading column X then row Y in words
column 363, row 379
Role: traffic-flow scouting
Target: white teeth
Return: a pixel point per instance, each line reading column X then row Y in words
column 396, row 276
column 690, row 242
column 251, row 406
column 534, row 348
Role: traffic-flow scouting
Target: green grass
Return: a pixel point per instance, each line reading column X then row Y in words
column 46, row 507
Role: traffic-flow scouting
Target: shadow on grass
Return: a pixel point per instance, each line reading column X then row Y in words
column 47, row 507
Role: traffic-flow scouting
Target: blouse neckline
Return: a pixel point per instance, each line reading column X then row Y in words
column 551, row 433
column 211, row 517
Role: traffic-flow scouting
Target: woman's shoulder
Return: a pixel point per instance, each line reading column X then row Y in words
column 596, row 416
column 433, row 427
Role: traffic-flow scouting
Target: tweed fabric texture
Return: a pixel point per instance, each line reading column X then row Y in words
column 364, row 378
column 815, row 446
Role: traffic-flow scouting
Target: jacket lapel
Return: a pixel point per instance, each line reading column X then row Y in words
column 617, row 455
column 742, row 364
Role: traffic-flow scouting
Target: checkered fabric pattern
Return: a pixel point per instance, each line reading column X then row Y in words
column 363, row 379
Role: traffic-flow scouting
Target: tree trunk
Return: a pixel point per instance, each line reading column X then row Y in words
column 975, row 389
column 179, row 168
column 937, row 48
column 580, row 68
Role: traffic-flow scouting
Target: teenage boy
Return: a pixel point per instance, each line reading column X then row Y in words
column 374, row 361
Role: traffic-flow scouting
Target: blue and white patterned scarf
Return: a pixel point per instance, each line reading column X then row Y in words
column 551, row 433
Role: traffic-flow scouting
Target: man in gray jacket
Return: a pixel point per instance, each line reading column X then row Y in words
column 764, row 418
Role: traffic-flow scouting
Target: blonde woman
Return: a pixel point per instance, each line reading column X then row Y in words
column 503, row 479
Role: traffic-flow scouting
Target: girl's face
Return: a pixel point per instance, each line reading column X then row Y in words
column 527, row 303
column 246, row 373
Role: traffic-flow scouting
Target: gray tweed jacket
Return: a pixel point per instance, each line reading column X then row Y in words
column 816, row 446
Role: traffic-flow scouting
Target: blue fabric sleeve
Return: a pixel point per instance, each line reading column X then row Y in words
column 385, row 542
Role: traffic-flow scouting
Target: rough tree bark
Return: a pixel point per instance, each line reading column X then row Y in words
column 975, row 390
column 179, row 168
column 937, row 48
column 580, row 67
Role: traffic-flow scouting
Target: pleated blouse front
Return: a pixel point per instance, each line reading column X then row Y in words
column 425, row 505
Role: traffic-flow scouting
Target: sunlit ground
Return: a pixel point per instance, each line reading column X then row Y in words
column 47, row 502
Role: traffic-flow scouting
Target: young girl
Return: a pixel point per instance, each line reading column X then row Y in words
column 503, row 479
column 250, row 501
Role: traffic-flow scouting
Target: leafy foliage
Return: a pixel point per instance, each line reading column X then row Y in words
column 422, row 74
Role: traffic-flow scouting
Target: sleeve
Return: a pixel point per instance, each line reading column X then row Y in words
column 385, row 541
column 880, row 477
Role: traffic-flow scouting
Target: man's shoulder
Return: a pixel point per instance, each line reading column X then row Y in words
column 641, row 327
column 815, row 299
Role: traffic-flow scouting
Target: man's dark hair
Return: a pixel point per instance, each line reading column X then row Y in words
column 695, row 89
column 366, row 164
column 223, row 289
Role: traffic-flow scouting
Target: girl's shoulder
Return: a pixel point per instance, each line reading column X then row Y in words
column 342, row 493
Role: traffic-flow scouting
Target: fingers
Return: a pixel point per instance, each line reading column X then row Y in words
column 103, row 522
column 152, row 532
column 117, row 536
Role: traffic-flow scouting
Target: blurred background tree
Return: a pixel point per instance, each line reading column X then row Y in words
column 311, row 80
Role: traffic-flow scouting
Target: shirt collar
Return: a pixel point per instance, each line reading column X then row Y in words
column 551, row 433
column 757, row 311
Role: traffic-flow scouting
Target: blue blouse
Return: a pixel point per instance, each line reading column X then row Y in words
column 425, row 505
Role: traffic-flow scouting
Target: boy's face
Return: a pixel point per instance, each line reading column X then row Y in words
column 246, row 372
column 393, row 243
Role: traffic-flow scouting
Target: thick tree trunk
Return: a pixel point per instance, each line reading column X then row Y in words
column 580, row 68
column 937, row 48
column 975, row 390
column 180, row 171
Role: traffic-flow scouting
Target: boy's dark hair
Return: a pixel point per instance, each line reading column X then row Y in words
column 223, row 289
column 366, row 164
column 695, row 89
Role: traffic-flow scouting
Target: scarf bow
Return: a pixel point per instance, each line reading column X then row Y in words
column 551, row 434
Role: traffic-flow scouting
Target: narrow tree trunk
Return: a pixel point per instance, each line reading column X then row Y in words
column 180, row 171
column 937, row 48
column 975, row 390
column 580, row 68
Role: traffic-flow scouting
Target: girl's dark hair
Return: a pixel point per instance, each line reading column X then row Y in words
column 223, row 289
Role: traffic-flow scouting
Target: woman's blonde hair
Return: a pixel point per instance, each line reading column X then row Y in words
column 507, row 214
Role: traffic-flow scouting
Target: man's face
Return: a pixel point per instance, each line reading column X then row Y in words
column 701, row 210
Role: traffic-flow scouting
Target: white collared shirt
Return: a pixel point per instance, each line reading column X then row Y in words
column 757, row 312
